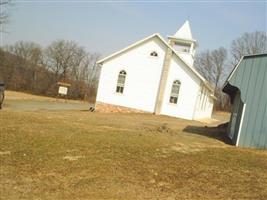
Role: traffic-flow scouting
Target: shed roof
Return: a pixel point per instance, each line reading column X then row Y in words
column 248, row 70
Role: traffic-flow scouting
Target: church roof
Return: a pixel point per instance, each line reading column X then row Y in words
column 165, row 43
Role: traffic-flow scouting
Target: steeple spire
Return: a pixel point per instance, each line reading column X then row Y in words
column 184, row 44
column 184, row 32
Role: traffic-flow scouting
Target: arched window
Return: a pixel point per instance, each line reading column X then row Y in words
column 154, row 54
column 175, row 91
column 121, row 81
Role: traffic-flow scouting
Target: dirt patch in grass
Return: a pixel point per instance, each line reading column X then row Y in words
column 5, row 153
column 72, row 158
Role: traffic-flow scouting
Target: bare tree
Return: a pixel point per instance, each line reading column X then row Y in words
column 219, row 57
column 68, row 61
column 28, row 55
column 248, row 43
column 4, row 14
column 29, row 52
column 212, row 65
column 64, row 58
column 85, row 73
column 26, row 66
column 3, row 11
column 204, row 65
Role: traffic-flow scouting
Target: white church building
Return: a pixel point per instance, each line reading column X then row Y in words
column 156, row 76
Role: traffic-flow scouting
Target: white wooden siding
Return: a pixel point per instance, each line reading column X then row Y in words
column 142, row 80
column 188, row 91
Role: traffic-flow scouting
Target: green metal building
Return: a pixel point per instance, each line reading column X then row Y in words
column 247, row 88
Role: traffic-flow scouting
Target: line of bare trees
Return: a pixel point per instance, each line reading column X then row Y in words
column 215, row 65
column 26, row 66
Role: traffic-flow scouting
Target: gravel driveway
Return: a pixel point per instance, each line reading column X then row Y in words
column 28, row 102
column 33, row 105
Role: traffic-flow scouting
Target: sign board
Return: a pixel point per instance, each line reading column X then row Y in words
column 62, row 90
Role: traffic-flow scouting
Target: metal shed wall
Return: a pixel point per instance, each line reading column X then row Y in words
column 238, row 119
column 250, row 77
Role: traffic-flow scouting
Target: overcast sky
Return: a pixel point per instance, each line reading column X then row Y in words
column 105, row 27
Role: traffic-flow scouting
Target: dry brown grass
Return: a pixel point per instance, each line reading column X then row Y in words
column 83, row 155
column 13, row 95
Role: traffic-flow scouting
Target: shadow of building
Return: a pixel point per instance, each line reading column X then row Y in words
column 218, row 132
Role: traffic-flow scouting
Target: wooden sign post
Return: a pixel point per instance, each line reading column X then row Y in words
column 63, row 89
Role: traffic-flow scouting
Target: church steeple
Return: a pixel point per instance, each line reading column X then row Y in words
column 184, row 44
column 184, row 32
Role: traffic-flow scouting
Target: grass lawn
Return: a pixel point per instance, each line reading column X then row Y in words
column 82, row 155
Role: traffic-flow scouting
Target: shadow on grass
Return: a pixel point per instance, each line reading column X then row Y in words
column 218, row 132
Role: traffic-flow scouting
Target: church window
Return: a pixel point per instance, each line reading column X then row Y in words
column 175, row 91
column 154, row 54
column 121, row 81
